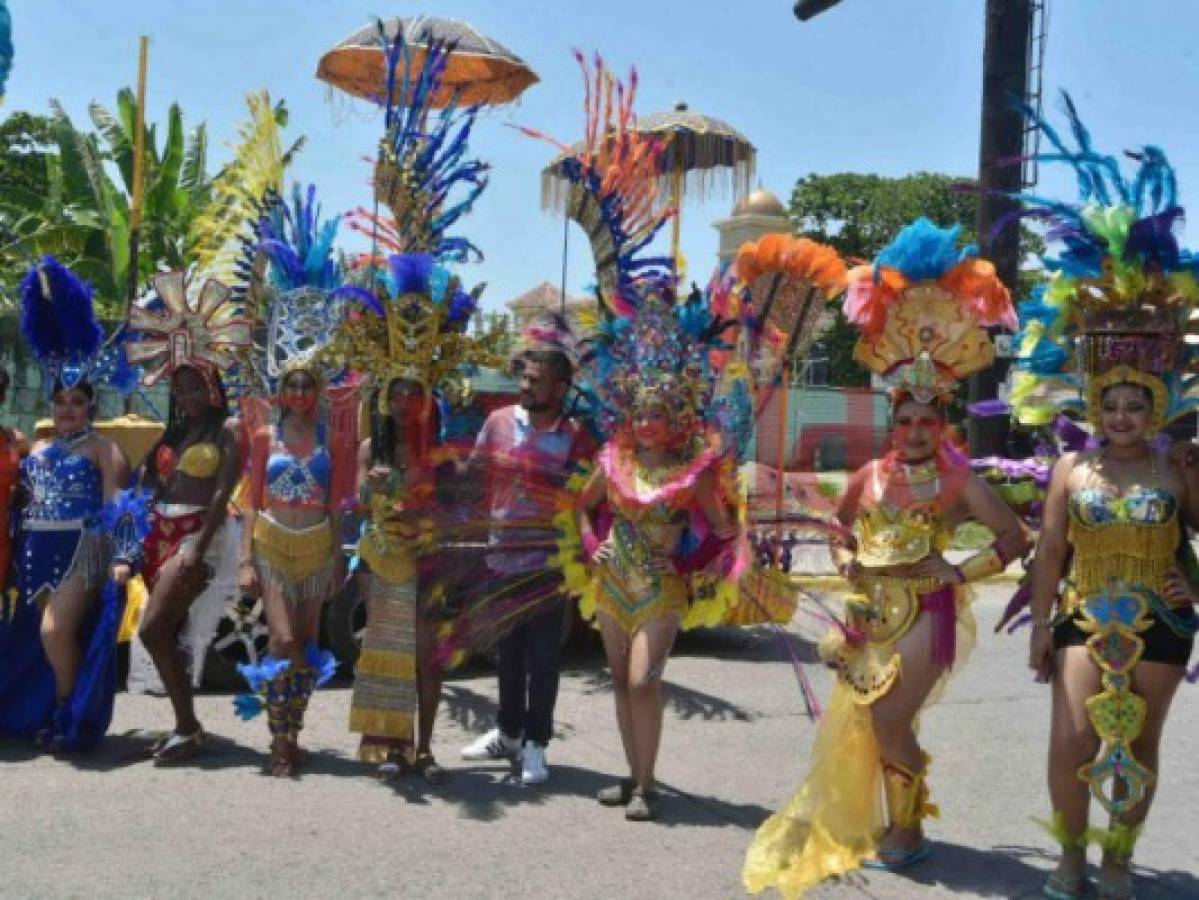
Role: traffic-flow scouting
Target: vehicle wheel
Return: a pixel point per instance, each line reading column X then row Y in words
column 241, row 637
column 344, row 624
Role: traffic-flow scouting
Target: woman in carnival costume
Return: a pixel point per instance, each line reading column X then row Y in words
column 921, row 309
column 13, row 446
column 301, row 471
column 1114, row 637
column 78, row 535
column 667, row 472
column 409, row 335
column 192, row 472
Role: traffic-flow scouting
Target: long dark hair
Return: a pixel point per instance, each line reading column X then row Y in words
column 386, row 435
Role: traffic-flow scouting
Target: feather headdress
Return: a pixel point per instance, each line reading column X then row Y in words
column 222, row 239
column 412, row 321
column 922, row 309
column 6, row 50
column 58, row 321
column 307, row 282
column 1121, row 291
column 650, row 351
column 423, row 174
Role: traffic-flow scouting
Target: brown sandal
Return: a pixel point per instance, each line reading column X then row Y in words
column 618, row 794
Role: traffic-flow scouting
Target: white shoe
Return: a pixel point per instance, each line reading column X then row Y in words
column 493, row 745
column 532, row 764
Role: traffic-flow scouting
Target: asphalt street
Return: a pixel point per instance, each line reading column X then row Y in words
column 734, row 749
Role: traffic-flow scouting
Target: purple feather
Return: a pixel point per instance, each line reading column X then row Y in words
column 1151, row 240
column 989, row 408
column 1072, row 436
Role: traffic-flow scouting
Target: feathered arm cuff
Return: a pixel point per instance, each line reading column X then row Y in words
column 126, row 520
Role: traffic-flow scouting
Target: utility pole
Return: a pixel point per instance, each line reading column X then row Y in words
column 1005, row 85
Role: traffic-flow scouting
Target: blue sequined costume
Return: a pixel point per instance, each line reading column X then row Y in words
column 59, row 535
column 64, row 491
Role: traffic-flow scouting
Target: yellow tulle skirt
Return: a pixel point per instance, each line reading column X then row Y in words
column 832, row 824
column 834, row 821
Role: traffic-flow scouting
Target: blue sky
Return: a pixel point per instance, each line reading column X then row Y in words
column 886, row 86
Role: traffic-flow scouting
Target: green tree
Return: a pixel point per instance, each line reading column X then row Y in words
column 67, row 192
column 859, row 214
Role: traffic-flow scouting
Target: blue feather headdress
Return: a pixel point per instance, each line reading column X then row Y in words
column 1121, row 290
column 613, row 175
column 423, row 174
column 412, row 320
column 308, row 282
column 58, row 321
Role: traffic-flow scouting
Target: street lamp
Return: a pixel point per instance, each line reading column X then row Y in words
column 806, row 9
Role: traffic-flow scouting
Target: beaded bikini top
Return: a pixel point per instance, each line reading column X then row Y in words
column 1132, row 538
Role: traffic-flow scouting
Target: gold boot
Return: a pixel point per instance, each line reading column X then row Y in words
column 907, row 806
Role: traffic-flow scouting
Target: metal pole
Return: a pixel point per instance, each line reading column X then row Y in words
column 676, row 225
column 781, row 445
column 565, row 257
column 139, row 171
column 1005, row 83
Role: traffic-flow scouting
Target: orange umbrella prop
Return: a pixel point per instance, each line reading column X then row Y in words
column 480, row 71
column 700, row 153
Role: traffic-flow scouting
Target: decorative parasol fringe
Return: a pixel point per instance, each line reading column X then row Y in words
column 700, row 184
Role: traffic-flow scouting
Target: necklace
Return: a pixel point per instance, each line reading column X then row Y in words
column 68, row 441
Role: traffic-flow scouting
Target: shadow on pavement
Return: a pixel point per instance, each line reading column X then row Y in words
column 685, row 702
column 1150, row 884
column 999, row 872
column 485, row 791
column 470, row 710
column 133, row 748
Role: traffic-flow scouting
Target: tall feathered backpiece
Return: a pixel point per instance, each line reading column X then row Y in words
column 614, row 176
column 413, row 321
column 58, row 321
column 224, row 238
column 423, row 174
column 649, row 349
column 1121, row 294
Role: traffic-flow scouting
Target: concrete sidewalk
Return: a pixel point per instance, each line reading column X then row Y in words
column 734, row 749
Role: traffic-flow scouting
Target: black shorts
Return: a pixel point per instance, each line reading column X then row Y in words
column 1162, row 643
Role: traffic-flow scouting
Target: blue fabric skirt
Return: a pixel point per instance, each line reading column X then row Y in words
column 27, row 695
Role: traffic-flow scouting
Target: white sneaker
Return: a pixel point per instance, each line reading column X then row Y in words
column 532, row 764
column 493, row 745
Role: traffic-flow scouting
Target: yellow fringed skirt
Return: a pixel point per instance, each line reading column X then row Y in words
column 299, row 561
